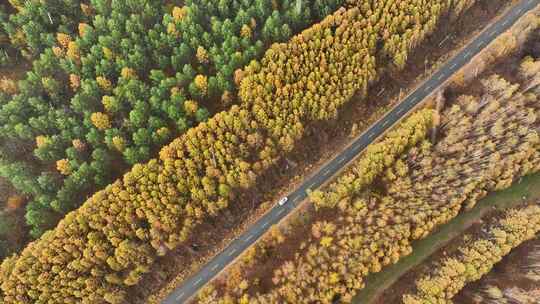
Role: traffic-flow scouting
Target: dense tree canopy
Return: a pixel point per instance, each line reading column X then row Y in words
column 118, row 94
column 139, row 75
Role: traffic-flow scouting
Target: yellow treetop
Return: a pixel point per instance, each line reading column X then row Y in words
column 245, row 31
column 74, row 81
column 202, row 55
column 18, row 38
column 244, row 299
column 201, row 82
column 108, row 53
column 175, row 90
column 128, row 73
column 243, row 285
column 104, row 83
column 63, row 166
column 326, row 241
column 73, row 52
column 178, row 13
column 162, row 131
column 191, row 106
column 171, row 29
column 119, row 143
column 100, row 120
column 58, row 51
column 41, row 141
column 333, row 278
column 8, row 86
column 108, row 103
column 63, row 39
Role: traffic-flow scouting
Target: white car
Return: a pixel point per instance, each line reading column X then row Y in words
column 282, row 201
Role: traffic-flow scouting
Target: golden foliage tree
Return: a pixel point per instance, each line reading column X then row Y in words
column 100, row 120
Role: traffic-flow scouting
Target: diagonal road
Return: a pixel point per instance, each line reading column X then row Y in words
column 190, row 286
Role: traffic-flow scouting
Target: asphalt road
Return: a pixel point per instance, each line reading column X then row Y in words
column 193, row 284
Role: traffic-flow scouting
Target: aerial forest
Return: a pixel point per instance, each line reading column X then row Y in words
column 125, row 125
column 399, row 191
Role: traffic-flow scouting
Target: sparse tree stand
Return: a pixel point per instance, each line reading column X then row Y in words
column 476, row 258
column 32, row 28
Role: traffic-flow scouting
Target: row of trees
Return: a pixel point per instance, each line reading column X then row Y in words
column 476, row 257
column 309, row 78
column 326, row 64
column 329, row 257
column 486, row 142
column 377, row 158
column 105, row 246
column 507, row 295
column 522, row 271
column 110, row 90
column 495, row 116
